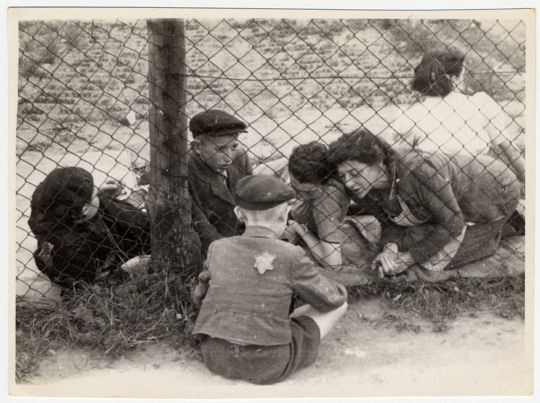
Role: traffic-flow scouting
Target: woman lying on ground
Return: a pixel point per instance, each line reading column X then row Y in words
column 449, row 121
column 84, row 234
column 447, row 211
column 346, row 245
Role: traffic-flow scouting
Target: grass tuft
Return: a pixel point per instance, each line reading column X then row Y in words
column 109, row 320
column 156, row 307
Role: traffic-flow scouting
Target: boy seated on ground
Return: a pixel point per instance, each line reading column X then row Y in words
column 247, row 331
column 216, row 162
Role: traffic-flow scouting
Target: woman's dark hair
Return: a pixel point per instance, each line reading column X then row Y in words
column 360, row 145
column 308, row 163
column 60, row 197
column 433, row 76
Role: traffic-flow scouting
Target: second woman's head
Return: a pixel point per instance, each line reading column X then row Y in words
column 436, row 73
column 362, row 161
column 309, row 168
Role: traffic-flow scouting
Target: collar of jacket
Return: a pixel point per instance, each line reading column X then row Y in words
column 405, row 162
column 257, row 231
column 208, row 175
column 394, row 170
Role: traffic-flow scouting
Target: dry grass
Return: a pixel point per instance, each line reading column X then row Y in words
column 108, row 320
column 440, row 303
column 155, row 308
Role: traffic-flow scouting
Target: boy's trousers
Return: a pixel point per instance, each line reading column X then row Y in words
column 264, row 364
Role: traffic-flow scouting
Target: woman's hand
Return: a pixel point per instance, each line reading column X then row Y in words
column 390, row 261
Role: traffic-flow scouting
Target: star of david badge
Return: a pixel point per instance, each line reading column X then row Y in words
column 263, row 262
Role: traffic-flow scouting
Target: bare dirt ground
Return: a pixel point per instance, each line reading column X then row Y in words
column 365, row 355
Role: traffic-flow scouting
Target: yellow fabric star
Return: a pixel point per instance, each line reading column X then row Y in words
column 263, row 262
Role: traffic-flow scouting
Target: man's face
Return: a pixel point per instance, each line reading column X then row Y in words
column 217, row 152
column 304, row 191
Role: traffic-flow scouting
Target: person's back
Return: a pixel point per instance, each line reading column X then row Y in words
column 449, row 121
column 455, row 124
column 253, row 279
column 483, row 186
column 245, row 320
column 448, row 125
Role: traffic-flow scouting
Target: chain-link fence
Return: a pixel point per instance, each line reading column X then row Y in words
column 84, row 99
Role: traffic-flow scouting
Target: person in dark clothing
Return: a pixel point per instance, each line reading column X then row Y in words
column 84, row 234
column 216, row 162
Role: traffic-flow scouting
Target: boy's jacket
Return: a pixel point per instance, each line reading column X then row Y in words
column 213, row 198
column 252, row 281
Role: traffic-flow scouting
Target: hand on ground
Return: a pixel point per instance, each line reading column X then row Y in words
column 390, row 261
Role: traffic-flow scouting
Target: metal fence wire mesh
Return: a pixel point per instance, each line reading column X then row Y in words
column 83, row 94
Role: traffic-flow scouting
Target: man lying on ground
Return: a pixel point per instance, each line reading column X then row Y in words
column 84, row 233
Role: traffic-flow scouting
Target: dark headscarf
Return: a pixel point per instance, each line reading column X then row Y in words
column 433, row 76
column 60, row 198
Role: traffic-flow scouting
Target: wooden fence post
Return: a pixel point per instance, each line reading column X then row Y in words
column 175, row 244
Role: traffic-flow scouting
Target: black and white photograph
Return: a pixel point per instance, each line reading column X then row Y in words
column 242, row 203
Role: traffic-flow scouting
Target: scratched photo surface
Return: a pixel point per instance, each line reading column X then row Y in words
column 133, row 139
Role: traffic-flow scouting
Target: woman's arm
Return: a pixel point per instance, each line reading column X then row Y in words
column 434, row 192
column 329, row 210
column 325, row 253
column 313, row 287
column 501, row 128
column 514, row 158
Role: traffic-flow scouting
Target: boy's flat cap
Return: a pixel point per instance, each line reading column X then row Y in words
column 261, row 192
column 214, row 122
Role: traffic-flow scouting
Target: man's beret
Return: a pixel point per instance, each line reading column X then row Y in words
column 65, row 185
column 261, row 192
column 61, row 195
column 214, row 122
